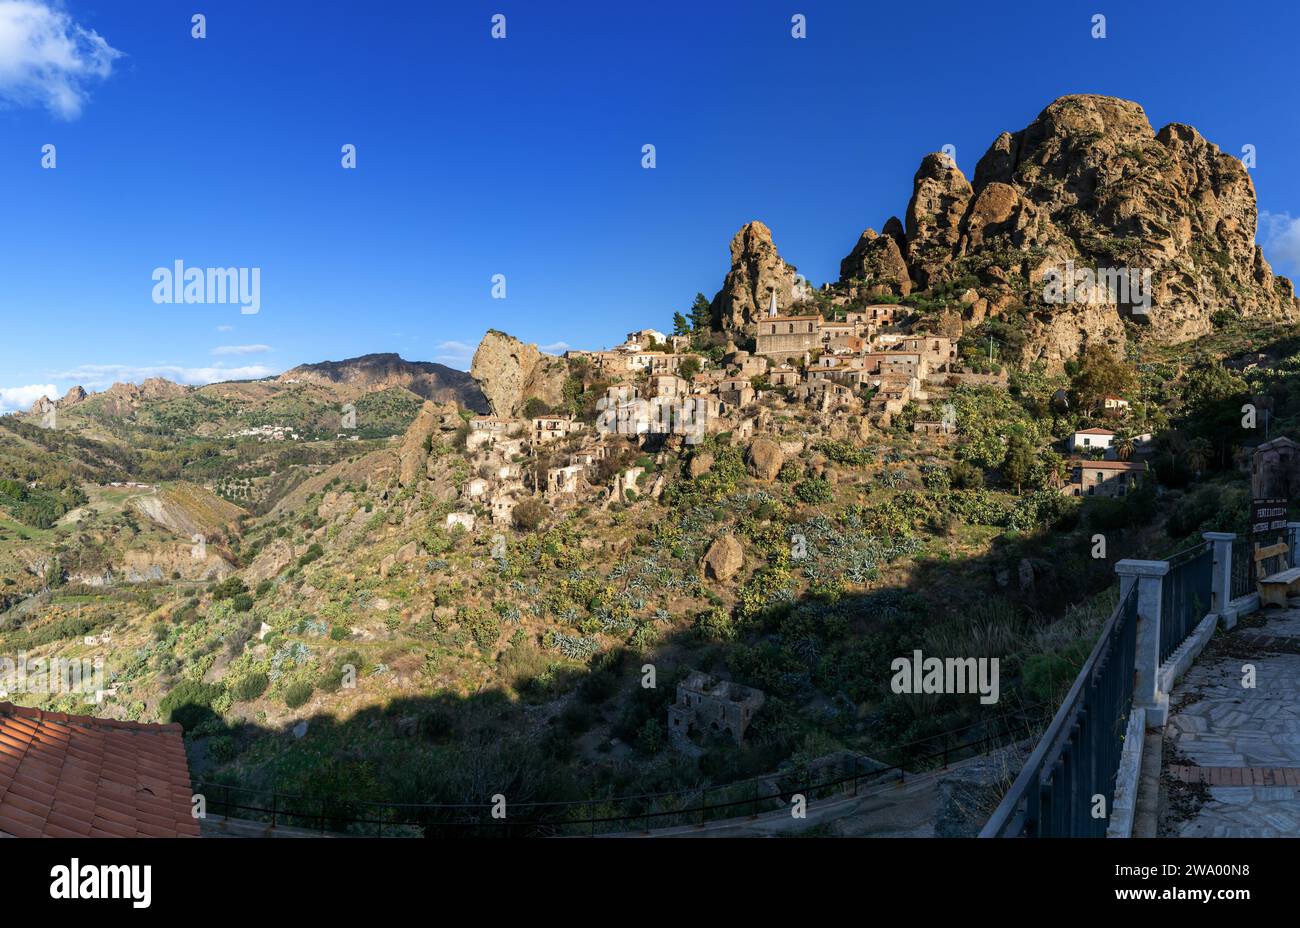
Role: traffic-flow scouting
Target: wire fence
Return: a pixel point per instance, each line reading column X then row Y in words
column 696, row 806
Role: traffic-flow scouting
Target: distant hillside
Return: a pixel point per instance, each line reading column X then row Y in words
column 431, row 381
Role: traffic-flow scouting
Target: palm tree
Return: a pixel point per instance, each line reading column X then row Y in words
column 1124, row 446
column 1199, row 451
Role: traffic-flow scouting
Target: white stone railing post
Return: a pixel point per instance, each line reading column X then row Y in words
column 1149, row 577
column 1221, row 583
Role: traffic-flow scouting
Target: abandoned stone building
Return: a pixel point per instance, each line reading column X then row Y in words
column 1103, row 478
column 788, row 338
column 708, row 705
column 1275, row 469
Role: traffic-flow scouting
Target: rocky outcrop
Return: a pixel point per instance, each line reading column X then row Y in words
column 940, row 196
column 1087, row 184
column 429, row 424
column 877, row 261
column 764, row 458
column 373, row 372
column 122, row 399
column 73, row 397
column 724, row 559
column 403, row 555
column 701, row 463
column 510, row 373
column 757, row 271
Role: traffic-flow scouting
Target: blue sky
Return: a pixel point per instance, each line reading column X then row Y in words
column 522, row 156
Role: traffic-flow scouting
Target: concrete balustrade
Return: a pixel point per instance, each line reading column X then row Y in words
column 1149, row 578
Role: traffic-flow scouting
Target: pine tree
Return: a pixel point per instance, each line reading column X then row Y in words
column 701, row 314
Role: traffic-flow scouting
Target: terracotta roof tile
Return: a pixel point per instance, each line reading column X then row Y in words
column 77, row 776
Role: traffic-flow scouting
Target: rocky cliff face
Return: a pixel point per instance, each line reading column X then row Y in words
column 432, row 422
column 757, row 271
column 510, row 373
column 878, row 259
column 435, row 382
column 1090, row 182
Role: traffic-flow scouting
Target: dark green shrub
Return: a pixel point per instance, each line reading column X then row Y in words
column 250, row 687
column 222, row 748
column 189, row 703
column 297, row 693
column 813, row 491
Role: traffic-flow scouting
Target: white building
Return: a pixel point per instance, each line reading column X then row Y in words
column 1092, row 440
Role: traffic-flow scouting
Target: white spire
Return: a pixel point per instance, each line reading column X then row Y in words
column 771, row 307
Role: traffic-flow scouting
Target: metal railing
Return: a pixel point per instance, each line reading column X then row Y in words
column 1185, row 598
column 1078, row 756
column 588, row 817
column 1243, row 569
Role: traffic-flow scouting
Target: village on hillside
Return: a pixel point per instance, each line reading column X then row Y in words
column 864, row 367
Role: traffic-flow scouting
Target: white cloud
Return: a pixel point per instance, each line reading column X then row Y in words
column 555, row 348
column 100, row 376
column 225, row 328
column 241, row 349
column 48, row 60
column 453, row 354
column 1279, row 233
column 13, row 399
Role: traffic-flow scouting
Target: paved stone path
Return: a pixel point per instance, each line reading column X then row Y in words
column 1231, row 741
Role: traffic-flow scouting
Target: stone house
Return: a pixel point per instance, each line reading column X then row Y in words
column 708, row 705
column 784, row 376
column 936, row 351
column 669, row 385
column 833, row 332
column 736, row 391
column 549, row 428
column 1103, row 478
column 1275, row 469
column 487, row 431
column 644, row 337
column 496, row 424
column 589, row 455
column 876, row 315
column 564, row 481
column 503, row 508
column 1114, row 406
column 753, row 366
column 846, row 377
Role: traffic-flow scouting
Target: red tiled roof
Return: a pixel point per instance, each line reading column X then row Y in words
column 73, row 776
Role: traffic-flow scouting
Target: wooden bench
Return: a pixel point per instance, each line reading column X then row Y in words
column 1275, row 588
